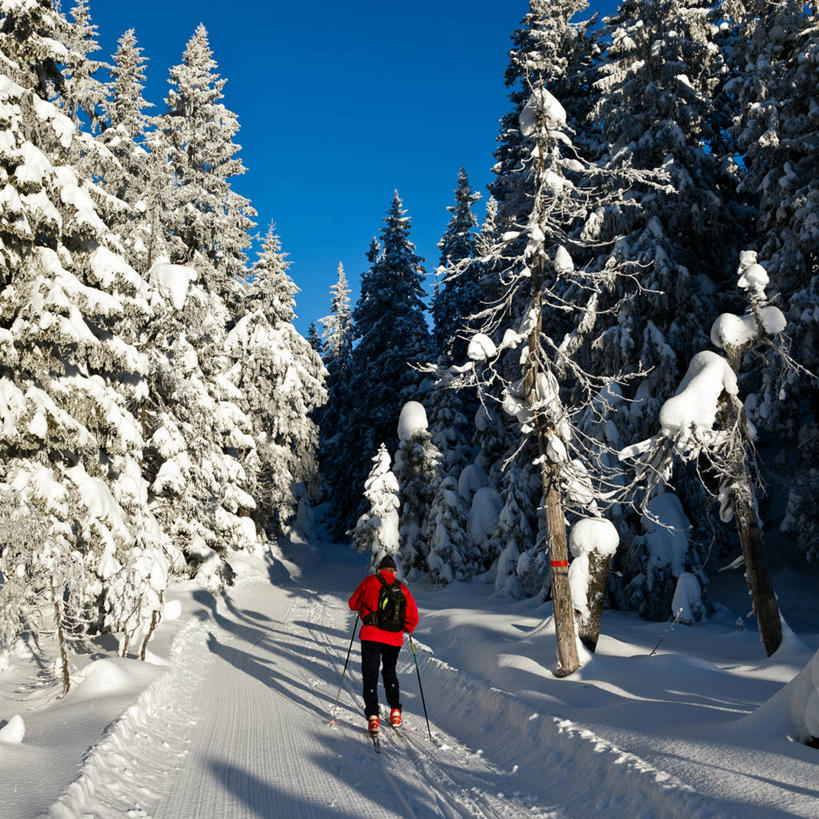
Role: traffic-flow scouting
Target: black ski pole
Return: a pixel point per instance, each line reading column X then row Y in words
column 420, row 687
column 338, row 693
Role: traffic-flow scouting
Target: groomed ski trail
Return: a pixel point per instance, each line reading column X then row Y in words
column 239, row 728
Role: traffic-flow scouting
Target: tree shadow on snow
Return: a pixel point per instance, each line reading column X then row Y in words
column 265, row 799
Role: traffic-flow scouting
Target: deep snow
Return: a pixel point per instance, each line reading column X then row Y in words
column 233, row 720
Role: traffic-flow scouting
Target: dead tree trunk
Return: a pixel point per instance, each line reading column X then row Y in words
column 588, row 628
column 155, row 617
column 567, row 658
column 740, row 481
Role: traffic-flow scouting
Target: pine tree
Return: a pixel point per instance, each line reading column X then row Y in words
column 449, row 546
column 33, row 40
column 313, row 338
column 513, row 536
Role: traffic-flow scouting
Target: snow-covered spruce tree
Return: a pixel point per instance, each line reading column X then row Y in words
column 776, row 59
column 449, row 545
column 660, row 106
column 514, row 533
column 281, row 381
column 706, row 418
column 549, row 48
column 390, row 325
column 33, row 39
column 313, row 337
column 209, row 218
column 457, row 297
column 200, row 455
column 69, row 307
column 129, row 176
column 84, row 92
column 376, row 531
column 417, row 470
column 337, row 346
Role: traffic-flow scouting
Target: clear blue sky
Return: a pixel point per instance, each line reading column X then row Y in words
column 339, row 104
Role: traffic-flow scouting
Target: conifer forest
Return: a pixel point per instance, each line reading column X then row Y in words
column 601, row 398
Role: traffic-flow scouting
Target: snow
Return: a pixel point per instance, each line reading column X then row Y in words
column 593, row 535
column 730, row 330
column 172, row 282
column 412, row 420
column 667, row 532
column 542, row 103
column 13, row 731
column 803, row 702
column 471, row 479
column 694, row 407
column 483, row 514
column 228, row 717
column 481, row 348
column 686, row 604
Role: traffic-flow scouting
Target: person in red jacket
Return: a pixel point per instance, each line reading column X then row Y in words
column 379, row 646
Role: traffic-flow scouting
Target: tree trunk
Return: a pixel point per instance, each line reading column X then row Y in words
column 155, row 615
column 740, row 481
column 58, row 619
column 567, row 658
column 588, row 628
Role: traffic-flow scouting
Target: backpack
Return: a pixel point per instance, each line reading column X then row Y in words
column 392, row 607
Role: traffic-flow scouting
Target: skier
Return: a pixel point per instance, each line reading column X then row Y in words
column 387, row 609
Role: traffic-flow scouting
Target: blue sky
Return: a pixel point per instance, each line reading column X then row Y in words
column 339, row 104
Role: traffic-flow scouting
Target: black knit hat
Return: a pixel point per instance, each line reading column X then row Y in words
column 387, row 563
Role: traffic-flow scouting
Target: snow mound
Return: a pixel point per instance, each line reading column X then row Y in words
column 103, row 678
column 803, row 703
column 171, row 610
column 412, row 421
column 687, row 601
column 484, row 514
column 593, row 535
column 471, row 479
column 13, row 731
column 481, row 347
column 696, row 402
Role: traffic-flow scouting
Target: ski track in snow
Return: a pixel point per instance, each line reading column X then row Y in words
column 239, row 727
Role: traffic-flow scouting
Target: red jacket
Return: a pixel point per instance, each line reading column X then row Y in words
column 365, row 602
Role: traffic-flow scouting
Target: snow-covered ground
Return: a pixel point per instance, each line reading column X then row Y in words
column 230, row 718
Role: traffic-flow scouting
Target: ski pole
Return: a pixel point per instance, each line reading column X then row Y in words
column 420, row 687
column 338, row 693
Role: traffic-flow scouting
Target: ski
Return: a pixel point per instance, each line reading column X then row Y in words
column 399, row 731
column 376, row 743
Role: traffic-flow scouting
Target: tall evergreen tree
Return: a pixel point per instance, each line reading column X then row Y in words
column 776, row 60
column 209, row 218
column 389, row 321
column 281, row 380
column 84, row 92
column 457, row 297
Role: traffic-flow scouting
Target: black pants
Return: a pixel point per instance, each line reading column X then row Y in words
column 373, row 655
